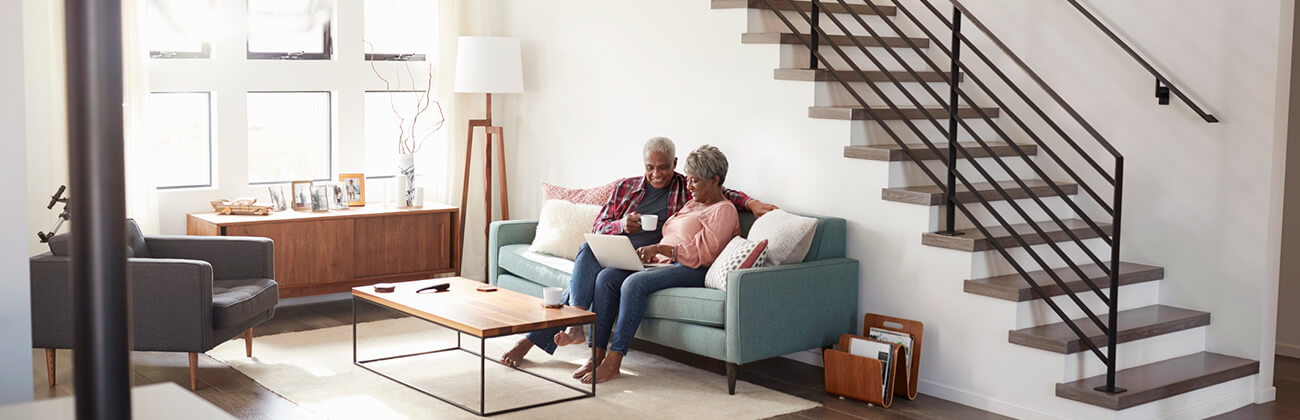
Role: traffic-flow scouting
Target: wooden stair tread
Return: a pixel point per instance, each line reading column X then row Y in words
column 1159, row 380
column 932, row 195
column 894, row 152
column 909, row 113
column 840, row 40
column 972, row 240
column 831, row 7
column 1014, row 288
column 1135, row 324
column 809, row 75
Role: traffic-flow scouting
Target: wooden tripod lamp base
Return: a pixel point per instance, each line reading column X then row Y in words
column 492, row 131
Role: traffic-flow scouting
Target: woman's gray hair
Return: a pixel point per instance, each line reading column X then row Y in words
column 660, row 144
column 707, row 162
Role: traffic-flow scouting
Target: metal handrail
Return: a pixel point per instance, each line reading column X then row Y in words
column 954, row 175
column 1160, row 79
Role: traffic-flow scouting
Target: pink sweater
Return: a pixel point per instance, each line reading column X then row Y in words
column 700, row 232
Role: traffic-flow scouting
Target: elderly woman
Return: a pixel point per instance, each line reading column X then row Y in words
column 692, row 239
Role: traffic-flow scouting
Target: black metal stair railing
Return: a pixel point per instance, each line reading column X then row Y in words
column 817, row 40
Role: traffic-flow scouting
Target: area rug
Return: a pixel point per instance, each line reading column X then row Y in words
column 314, row 370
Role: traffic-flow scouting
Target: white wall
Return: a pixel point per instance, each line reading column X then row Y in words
column 15, row 304
column 1201, row 200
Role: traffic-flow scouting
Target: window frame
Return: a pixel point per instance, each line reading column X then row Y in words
column 205, row 52
column 327, row 54
column 394, row 57
column 211, row 144
column 329, row 123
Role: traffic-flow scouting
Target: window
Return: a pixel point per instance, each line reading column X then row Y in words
column 289, row 136
column 173, row 32
column 289, row 29
column 182, row 139
column 389, row 116
column 400, row 30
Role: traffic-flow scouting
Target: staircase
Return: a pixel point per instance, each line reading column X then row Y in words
column 1040, row 247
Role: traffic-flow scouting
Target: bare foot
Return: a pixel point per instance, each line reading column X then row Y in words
column 591, row 364
column 573, row 335
column 516, row 354
column 606, row 371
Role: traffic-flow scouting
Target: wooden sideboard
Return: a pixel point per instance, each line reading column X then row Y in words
column 329, row 252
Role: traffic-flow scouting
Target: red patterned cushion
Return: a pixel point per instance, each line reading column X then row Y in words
column 595, row 196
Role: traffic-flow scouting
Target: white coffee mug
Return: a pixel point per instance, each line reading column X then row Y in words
column 552, row 296
column 649, row 221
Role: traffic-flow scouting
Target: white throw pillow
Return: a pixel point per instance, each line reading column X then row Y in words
column 739, row 254
column 788, row 236
column 561, row 226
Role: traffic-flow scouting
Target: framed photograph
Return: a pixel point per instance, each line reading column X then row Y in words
column 277, row 197
column 338, row 198
column 354, row 185
column 320, row 198
column 302, row 195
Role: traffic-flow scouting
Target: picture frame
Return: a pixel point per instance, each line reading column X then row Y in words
column 320, row 198
column 277, row 197
column 354, row 185
column 302, row 194
column 338, row 198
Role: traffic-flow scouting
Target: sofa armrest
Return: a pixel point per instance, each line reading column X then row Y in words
column 171, row 303
column 506, row 232
column 231, row 257
column 772, row 311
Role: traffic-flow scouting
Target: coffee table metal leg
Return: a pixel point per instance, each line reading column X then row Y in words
column 593, row 361
column 482, row 376
column 354, row 329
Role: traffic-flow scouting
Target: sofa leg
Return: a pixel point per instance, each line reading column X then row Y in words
column 194, row 371
column 731, row 378
column 248, row 343
column 49, row 366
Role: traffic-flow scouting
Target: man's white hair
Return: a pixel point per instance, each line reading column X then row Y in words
column 660, row 144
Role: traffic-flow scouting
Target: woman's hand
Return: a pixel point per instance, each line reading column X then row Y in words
column 649, row 252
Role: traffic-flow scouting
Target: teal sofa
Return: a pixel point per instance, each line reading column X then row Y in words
column 765, row 312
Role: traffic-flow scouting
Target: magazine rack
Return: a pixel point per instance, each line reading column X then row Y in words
column 858, row 377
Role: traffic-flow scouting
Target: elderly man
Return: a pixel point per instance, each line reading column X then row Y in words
column 661, row 192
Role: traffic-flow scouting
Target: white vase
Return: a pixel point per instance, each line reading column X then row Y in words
column 405, row 180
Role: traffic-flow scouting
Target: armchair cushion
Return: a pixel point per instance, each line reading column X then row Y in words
column 236, row 301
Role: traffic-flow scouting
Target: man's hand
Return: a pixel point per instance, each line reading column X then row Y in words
column 632, row 224
column 759, row 208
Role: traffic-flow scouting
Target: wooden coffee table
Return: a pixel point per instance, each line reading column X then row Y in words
column 469, row 311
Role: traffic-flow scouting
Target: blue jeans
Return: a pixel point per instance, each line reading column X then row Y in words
column 622, row 295
column 581, row 291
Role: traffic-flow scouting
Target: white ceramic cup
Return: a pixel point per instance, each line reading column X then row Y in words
column 552, row 296
column 649, row 221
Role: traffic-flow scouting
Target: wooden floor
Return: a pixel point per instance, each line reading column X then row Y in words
column 242, row 397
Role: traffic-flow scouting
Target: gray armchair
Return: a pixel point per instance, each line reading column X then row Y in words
column 188, row 293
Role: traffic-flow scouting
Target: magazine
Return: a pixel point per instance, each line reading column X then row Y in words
column 903, row 339
column 876, row 350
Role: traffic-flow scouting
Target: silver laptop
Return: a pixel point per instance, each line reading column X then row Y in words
column 615, row 251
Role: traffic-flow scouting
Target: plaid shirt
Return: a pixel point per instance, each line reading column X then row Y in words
column 628, row 193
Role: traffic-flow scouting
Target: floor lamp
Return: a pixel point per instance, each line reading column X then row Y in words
column 486, row 65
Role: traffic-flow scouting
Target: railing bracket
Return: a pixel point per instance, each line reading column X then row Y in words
column 1162, row 92
column 1110, row 390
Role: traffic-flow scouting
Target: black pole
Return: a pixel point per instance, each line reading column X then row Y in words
column 954, row 92
column 1112, row 328
column 100, row 313
column 812, row 30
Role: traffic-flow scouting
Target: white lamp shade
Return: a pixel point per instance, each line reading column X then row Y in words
column 488, row 64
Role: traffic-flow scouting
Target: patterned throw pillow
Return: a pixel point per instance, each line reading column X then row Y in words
column 739, row 254
column 596, row 196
